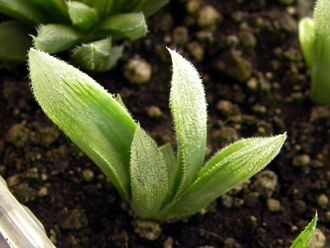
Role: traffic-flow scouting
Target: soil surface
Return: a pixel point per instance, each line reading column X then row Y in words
column 256, row 84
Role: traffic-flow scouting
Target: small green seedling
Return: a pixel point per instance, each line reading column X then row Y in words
column 304, row 239
column 86, row 27
column 158, row 183
column 314, row 37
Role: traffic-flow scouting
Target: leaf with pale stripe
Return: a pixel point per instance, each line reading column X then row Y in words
column 321, row 53
column 82, row 16
column 131, row 26
column 188, row 107
column 23, row 10
column 56, row 8
column 86, row 113
column 307, row 39
column 172, row 167
column 55, row 38
column 304, row 238
column 226, row 169
column 148, row 173
column 150, row 7
column 98, row 55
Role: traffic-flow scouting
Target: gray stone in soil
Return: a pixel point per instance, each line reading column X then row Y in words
column 138, row 71
column 74, row 220
column 319, row 239
column 232, row 64
column 148, row 230
column 265, row 183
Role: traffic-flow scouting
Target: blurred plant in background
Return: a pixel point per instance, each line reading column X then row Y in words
column 87, row 28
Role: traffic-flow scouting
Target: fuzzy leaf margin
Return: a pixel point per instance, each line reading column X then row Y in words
column 307, row 39
column 321, row 53
column 130, row 26
column 226, row 169
column 82, row 16
column 188, row 108
column 86, row 113
column 148, row 173
column 306, row 236
column 55, row 38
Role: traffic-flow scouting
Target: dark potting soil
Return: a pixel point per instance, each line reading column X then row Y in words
column 256, row 85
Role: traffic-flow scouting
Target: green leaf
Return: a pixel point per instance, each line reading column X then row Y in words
column 188, row 107
column 149, row 181
column 121, row 102
column 226, row 169
column 307, row 39
column 116, row 54
column 103, row 7
column 96, row 56
column 150, row 7
column 55, row 38
column 56, row 8
column 131, row 26
column 82, row 16
column 86, row 113
column 172, row 168
column 15, row 42
column 118, row 6
column 304, row 238
column 23, row 10
column 321, row 58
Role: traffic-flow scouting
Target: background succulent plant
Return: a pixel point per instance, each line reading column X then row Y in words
column 86, row 27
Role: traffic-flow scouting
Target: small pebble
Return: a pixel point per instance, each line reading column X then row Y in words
column 168, row 243
column 252, row 84
column 208, row 17
column 180, row 36
column 148, row 230
column 13, row 180
column 273, row 205
column 232, row 243
column 319, row 239
column 88, row 175
column 74, row 220
column 196, row 50
column 300, row 206
column 327, row 216
column 251, row 199
column 234, row 65
column 302, row 160
column 227, row 201
column 247, row 39
column 154, row 112
column 320, row 113
column 323, row 201
column 193, row 6
column 266, row 183
column 43, row 192
column 228, row 108
column 18, row 135
column 138, row 71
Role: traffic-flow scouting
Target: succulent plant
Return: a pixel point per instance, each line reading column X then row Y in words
column 90, row 29
column 159, row 183
column 314, row 37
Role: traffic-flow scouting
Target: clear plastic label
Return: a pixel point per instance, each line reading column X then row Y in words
column 4, row 242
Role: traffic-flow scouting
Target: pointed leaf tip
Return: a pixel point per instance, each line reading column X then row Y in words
column 306, row 236
column 226, row 169
column 86, row 113
column 188, row 108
